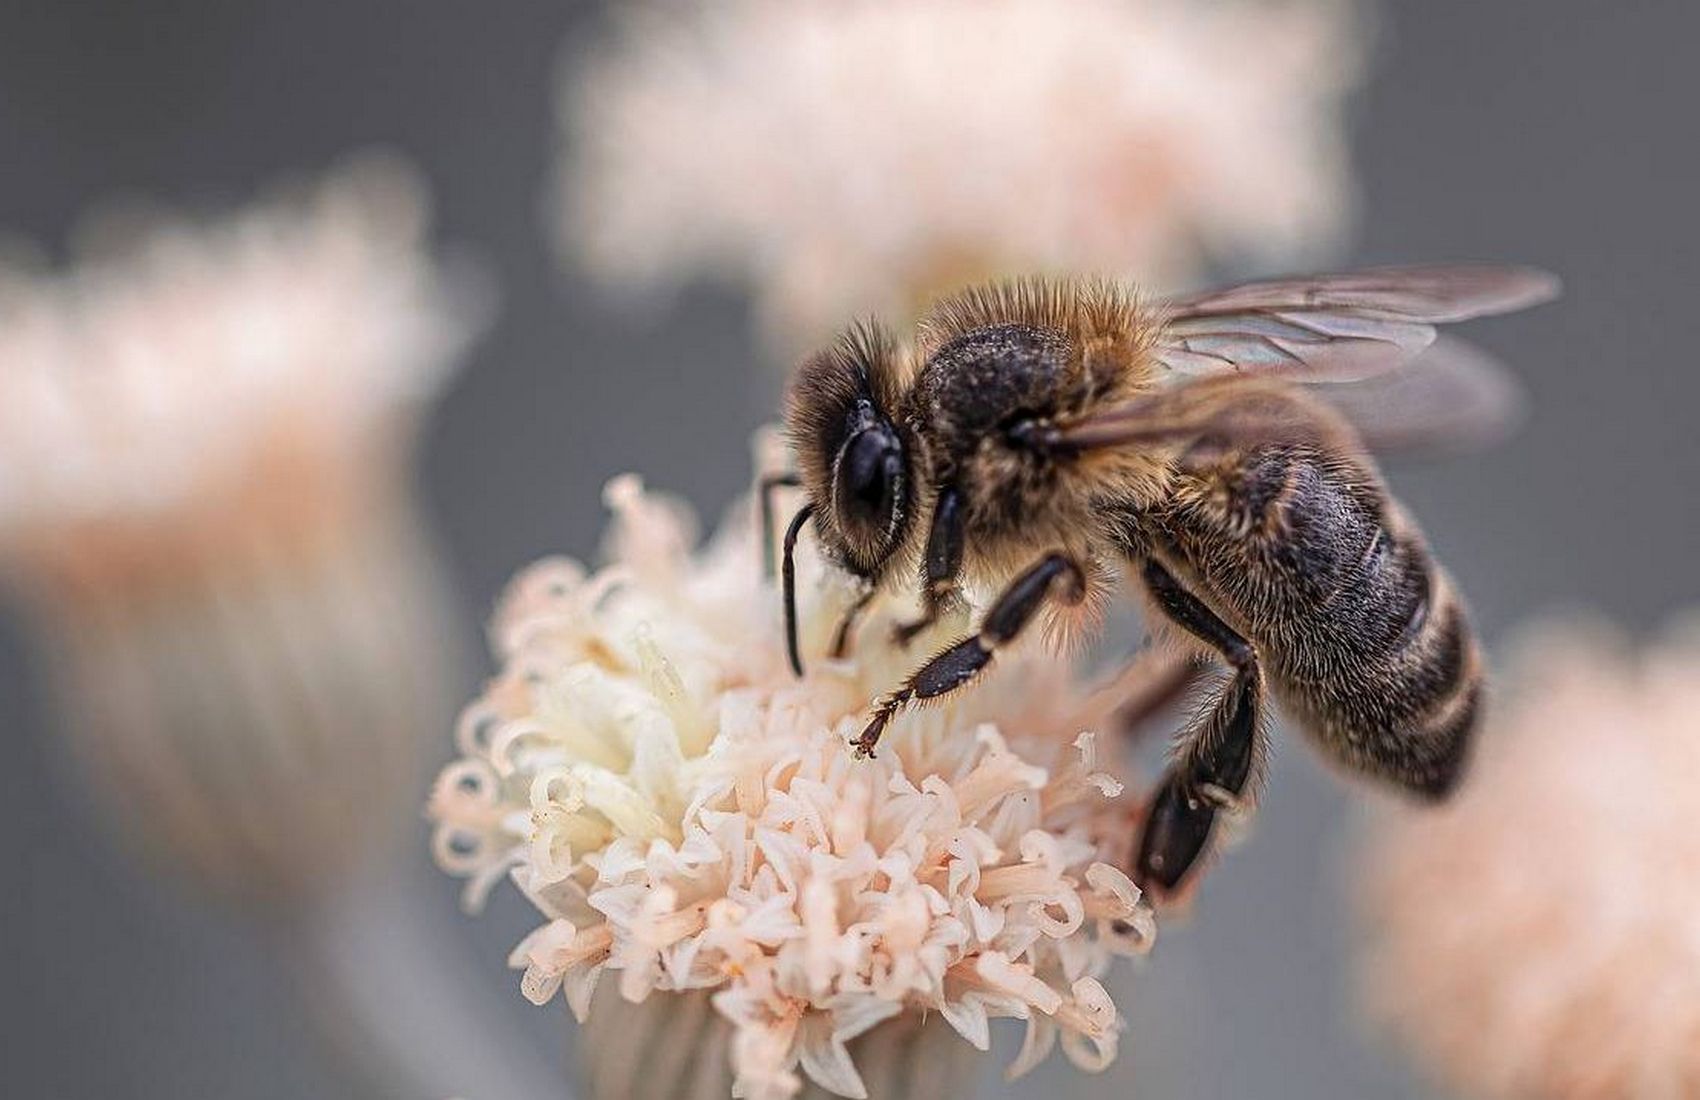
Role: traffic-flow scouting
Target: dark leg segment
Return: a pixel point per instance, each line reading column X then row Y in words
column 1217, row 758
column 960, row 663
column 943, row 563
column 847, row 625
column 1164, row 682
column 765, row 490
column 788, row 585
column 1151, row 680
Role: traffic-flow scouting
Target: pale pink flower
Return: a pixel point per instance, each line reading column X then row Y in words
column 191, row 386
column 206, row 435
column 1537, row 937
column 853, row 156
column 689, row 816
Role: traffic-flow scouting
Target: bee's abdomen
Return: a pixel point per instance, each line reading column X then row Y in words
column 1388, row 671
column 1364, row 636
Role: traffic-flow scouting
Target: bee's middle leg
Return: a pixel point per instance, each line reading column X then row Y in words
column 1054, row 576
column 1217, row 757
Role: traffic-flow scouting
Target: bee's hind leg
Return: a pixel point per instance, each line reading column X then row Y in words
column 1217, row 757
column 1056, row 575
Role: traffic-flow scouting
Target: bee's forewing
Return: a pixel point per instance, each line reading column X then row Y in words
column 1452, row 397
column 1336, row 327
column 1436, row 293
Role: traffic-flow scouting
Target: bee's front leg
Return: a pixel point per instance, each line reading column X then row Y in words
column 945, row 543
column 1055, row 575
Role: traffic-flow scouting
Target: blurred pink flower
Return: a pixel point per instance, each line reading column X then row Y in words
column 206, row 437
column 1538, row 937
column 198, row 386
column 852, row 156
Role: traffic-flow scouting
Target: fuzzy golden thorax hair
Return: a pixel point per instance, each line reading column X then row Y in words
column 984, row 361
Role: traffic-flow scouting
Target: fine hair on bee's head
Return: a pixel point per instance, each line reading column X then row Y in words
column 858, row 462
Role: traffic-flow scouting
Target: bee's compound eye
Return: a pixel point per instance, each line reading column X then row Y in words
column 869, row 479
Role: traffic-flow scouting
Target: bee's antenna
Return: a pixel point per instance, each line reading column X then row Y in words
column 788, row 579
column 769, row 483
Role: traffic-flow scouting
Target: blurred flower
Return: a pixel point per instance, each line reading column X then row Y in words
column 689, row 817
column 1537, row 936
column 205, row 445
column 854, row 156
column 204, row 385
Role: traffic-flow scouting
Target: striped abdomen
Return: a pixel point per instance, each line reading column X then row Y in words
column 1363, row 637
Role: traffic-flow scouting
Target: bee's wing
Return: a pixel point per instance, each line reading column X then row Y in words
column 1336, row 327
column 1452, row 397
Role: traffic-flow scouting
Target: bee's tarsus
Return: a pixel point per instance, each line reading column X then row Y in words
column 959, row 664
column 871, row 733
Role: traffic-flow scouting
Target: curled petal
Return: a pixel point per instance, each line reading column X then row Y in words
column 1089, row 1024
column 1036, row 1045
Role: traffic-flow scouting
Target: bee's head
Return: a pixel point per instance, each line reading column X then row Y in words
column 856, row 461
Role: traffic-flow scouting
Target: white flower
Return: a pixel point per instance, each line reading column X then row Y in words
column 688, row 816
column 854, row 156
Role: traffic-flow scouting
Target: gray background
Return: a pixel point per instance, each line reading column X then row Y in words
column 1561, row 133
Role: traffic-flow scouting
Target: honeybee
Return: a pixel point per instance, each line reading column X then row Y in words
column 1041, row 436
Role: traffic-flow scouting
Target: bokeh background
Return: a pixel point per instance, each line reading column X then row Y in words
column 1560, row 135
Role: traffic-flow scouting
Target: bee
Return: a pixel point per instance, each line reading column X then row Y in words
column 1039, row 437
